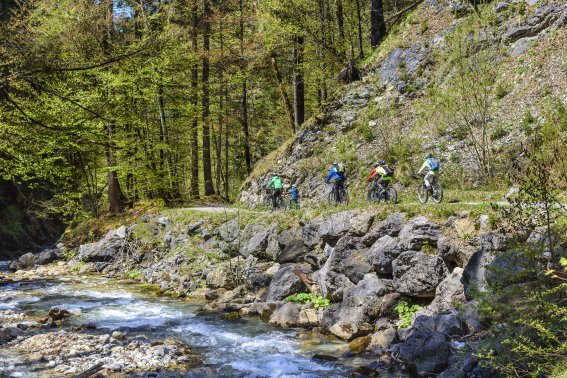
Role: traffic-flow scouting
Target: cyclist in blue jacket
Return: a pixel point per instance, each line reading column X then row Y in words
column 294, row 196
column 338, row 174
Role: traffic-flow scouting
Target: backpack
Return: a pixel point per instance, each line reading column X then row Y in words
column 341, row 168
column 433, row 164
column 389, row 171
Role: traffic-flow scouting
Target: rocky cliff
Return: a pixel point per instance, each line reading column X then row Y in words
column 417, row 94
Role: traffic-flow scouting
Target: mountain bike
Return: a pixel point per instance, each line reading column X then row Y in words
column 379, row 193
column 290, row 204
column 435, row 191
column 279, row 201
column 336, row 197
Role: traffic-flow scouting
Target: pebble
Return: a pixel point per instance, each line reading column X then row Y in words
column 118, row 335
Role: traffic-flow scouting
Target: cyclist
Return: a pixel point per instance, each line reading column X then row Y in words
column 432, row 164
column 277, row 184
column 381, row 175
column 294, row 196
column 337, row 173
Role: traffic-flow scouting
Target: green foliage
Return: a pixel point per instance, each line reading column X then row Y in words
column 405, row 312
column 133, row 274
column 318, row 301
column 528, row 122
column 78, row 266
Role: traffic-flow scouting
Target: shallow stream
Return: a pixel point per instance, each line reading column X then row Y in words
column 231, row 347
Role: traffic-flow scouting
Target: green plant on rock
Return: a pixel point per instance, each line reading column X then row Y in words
column 133, row 274
column 318, row 301
column 405, row 312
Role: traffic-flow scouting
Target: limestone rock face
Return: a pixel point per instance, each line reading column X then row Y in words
column 284, row 283
column 106, row 249
column 417, row 274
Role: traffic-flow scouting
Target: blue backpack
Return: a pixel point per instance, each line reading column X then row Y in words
column 433, row 164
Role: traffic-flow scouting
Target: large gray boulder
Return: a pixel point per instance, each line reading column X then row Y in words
column 23, row 262
column 47, row 256
column 417, row 274
column 291, row 247
column 350, row 258
column 474, row 274
column 417, row 232
column 353, row 317
column 257, row 242
column 390, row 226
column 335, row 227
column 285, row 283
column 425, row 352
column 229, row 231
column 383, row 253
column 106, row 249
column 449, row 293
column 360, row 223
column 310, row 233
column 449, row 324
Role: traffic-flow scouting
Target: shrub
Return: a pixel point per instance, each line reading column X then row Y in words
column 318, row 301
column 405, row 312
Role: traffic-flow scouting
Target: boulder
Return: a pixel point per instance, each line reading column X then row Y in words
column 106, row 249
column 354, row 315
column 350, row 258
column 474, row 274
column 285, row 283
column 359, row 344
column 286, row 314
column 491, row 241
column 390, row 226
column 417, row 274
column 218, row 277
column 510, row 267
column 23, row 262
column 47, row 256
column 360, row 223
column 417, row 232
column 291, row 247
column 465, row 227
column 257, row 243
column 8, row 334
column 383, row 338
column 425, row 352
column 448, row 324
column 449, row 292
column 308, row 317
column 310, row 233
column 383, row 253
column 195, row 228
column 335, row 227
column 454, row 252
column 229, row 231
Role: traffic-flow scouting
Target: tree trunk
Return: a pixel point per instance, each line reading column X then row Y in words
column 221, row 110
column 245, row 124
column 298, row 83
column 340, row 25
column 359, row 19
column 283, row 93
column 377, row 24
column 205, row 101
column 323, row 86
column 194, row 190
column 116, row 198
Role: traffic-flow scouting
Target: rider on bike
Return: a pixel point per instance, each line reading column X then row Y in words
column 277, row 184
column 432, row 164
column 294, row 196
column 382, row 174
column 337, row 173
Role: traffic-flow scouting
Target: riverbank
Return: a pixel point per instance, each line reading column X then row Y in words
column 120, row 328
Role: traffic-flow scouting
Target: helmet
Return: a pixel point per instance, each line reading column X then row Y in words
column 336, row 163
column 294, row 186
column 429, row 156
column 274, row 174
column 381, row 162
column 375, row 165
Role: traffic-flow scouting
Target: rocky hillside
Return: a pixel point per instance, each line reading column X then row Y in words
column 448, row 80
column 397, row 287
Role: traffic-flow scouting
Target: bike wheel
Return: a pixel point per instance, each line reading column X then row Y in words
column 331, row 197
column 392, row 195
column 344, row 196
column 422, row 193
column 437, row 194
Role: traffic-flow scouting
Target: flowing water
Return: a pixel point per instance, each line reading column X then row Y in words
column 231, row 348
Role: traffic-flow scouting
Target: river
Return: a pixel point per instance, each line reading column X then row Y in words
column 231, row 347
